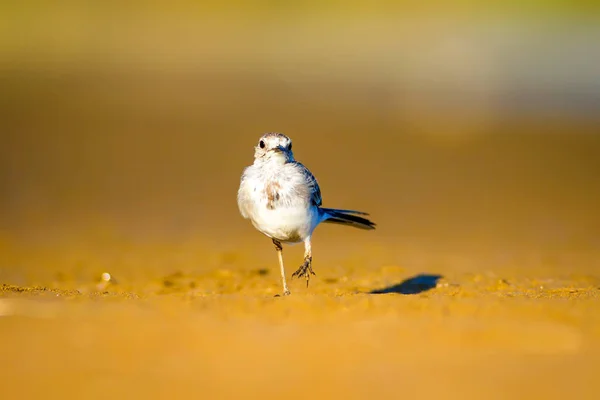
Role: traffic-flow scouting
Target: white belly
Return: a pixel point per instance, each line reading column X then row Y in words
column 276, row 205
column 290, row 225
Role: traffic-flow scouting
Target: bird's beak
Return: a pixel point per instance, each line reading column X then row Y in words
column 278, row 149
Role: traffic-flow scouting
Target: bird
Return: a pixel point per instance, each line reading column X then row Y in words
column 282, row 199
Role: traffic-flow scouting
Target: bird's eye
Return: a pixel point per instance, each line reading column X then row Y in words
column 290, row 146
column 261, row 144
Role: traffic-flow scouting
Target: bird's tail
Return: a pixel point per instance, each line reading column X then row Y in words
column 346, row 217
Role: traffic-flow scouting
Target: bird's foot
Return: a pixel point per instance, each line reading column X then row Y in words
column 305, row 270
column 285, row 293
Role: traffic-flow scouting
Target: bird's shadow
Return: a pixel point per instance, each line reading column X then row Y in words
column 414, row 285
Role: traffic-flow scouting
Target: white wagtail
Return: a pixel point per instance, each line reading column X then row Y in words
column 283, row 200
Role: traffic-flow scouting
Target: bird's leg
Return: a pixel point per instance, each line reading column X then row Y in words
column 279, row 249
column 306, row 267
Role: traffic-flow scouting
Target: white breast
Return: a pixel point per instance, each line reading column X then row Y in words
column 291, row 220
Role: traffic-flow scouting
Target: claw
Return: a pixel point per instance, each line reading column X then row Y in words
column 305, row 270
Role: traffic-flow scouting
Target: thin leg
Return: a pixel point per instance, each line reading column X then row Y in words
column 279, row 249
column 306, row 267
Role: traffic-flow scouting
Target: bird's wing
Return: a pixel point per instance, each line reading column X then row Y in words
column 309, row 184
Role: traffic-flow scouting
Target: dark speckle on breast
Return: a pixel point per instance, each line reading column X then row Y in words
column 272, row 191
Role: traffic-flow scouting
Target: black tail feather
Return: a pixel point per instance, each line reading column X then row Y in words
column 347, row 217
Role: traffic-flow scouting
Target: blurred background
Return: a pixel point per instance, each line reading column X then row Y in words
column 461, row 126
column 468, row 129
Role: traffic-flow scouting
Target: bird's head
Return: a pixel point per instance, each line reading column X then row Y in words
column 274, row 147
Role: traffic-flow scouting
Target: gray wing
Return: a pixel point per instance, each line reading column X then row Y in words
column 314, row 192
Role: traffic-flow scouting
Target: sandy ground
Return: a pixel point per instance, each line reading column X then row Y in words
column 385, row 330
column 481, row 281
